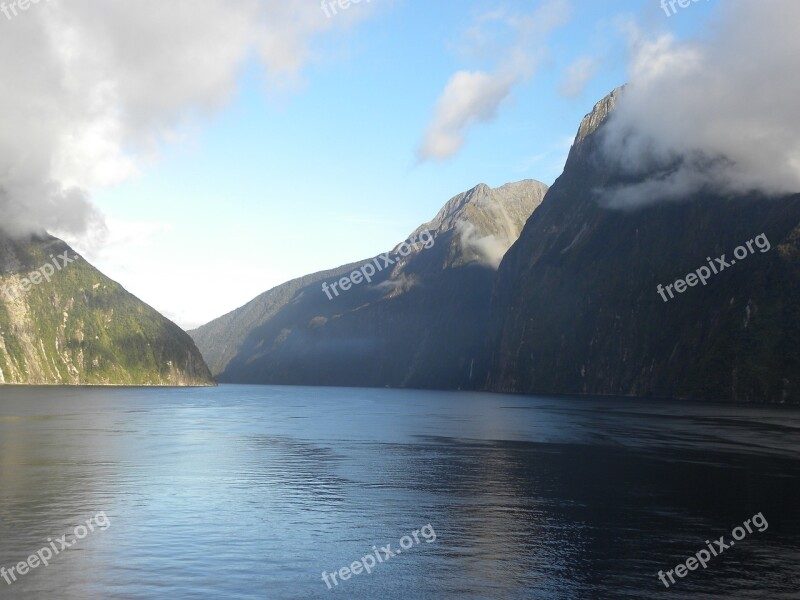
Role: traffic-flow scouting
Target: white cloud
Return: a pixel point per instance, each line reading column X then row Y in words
column 92, row 89
column 468, row 98
column 472, row 97
column 488, row 249
column 718, row 113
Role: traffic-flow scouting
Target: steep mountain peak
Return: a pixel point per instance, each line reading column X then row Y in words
column 599, row 114
column 482, row 201
column 485, row 221
column 454, row 208
column 576, row 307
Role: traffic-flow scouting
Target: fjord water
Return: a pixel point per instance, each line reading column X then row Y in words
column 253, row 492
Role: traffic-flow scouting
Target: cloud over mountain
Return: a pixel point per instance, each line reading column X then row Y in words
column 714, row 113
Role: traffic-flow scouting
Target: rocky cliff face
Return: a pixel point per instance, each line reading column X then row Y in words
column 64, row 322
column 420, row 321
column 576, row 307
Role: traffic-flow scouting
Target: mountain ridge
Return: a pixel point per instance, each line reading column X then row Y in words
column 276, row 334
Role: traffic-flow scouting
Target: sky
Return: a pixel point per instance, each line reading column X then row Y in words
column 201, row 152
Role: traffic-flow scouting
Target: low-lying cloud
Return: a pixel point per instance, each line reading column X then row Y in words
column 488, row 249
column 718, row 113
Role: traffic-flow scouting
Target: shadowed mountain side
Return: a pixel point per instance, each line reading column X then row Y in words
column 576, row 308
column 425, row 334
column 419, row 323
column 222, row 339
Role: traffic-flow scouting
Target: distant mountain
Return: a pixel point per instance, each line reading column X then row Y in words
column 64, row 322
column 576, row 308
column 419, row 322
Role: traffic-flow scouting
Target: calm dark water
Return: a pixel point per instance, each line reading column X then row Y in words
column 253, row 492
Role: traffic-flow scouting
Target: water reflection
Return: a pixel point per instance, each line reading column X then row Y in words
column 252, row 492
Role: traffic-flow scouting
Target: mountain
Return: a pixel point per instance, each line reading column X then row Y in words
column 64, row 322
column 577, row 307
column 415, row 317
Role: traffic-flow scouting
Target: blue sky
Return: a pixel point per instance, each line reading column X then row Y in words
column 284, row 179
